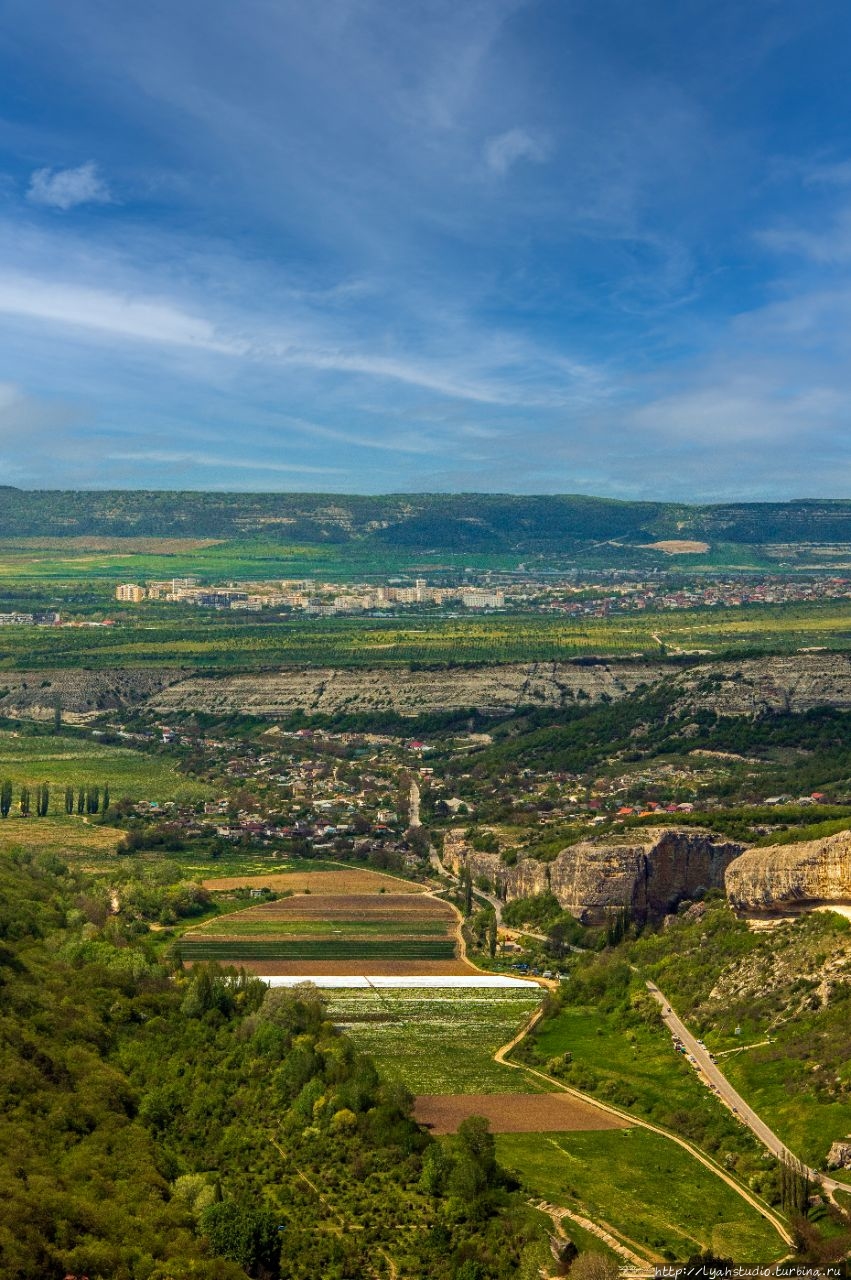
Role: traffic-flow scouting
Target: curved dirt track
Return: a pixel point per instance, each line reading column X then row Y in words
column 706, row 1161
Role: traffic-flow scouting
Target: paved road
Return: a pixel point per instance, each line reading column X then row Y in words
column 443, row 870
column 707, row 1068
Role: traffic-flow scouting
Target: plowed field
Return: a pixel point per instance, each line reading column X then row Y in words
column 366, row 923
column 343, row 881
column 512, row 1112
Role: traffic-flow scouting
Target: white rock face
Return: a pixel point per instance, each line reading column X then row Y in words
column 788, row 876
column 407, row 691
column 649, row 872
column 839, row 1156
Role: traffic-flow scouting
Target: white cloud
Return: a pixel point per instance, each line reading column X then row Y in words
column 173, row 457
column 498, row 373
column 149, row 319
column 833, row 175
column 506, row 149
column 65, row 188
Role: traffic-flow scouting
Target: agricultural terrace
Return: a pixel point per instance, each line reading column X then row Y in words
column 325, row 880
column 439, row 1041
column 64, row 761
column 351, row 921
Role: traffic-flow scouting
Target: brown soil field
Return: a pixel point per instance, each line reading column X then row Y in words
column 344, row 881
column 139, row 546
column 356, row 968
column 512, row 1112
column 678, row 547
column 352, row 906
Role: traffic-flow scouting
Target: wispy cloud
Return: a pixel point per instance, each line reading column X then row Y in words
column 184, row 458
column 505, row 150
column 496, row 372
column 65, row 188
column 521, row 243
column 117, row 315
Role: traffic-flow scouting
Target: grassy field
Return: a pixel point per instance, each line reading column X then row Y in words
column 75, row 762
column 649, row 1190
column 103, row 561
column 436, row 1041
column 637, row 1068
column 227, row 643
column 60, row 835
column 776, row 1086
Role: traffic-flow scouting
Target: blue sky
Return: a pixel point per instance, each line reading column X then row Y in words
column 557, row 245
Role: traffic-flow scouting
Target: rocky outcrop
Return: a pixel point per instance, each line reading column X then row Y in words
column 81, row 693
column 794, row 682
column 649, row 873
column 751, row 687
column 405, row 690
column 839, row 1155
column 788, row 877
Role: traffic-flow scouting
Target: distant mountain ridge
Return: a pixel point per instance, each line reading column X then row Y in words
column 427, row 522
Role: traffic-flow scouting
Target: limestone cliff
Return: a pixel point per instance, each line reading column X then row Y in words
column 81, row 693
column 649, row 872
column 788, row 877
column 795, row 682
column 749, row 687
column 331, row 689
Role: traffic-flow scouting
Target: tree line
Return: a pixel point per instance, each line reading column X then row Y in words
column 35, row 801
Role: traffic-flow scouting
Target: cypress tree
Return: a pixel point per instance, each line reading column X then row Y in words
column 105, row 804
column 81, row 800
column 25, row 801
column 69, row 800
column 5, row 797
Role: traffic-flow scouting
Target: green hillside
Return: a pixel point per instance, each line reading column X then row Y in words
column 451, row 522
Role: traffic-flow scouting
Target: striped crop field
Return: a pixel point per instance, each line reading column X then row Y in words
column 234, row 950
column 362, row 926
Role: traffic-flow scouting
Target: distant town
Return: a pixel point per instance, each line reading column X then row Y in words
column 590, row 597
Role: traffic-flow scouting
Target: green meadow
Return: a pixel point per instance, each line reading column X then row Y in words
column 650, row 1191
column 64, row 761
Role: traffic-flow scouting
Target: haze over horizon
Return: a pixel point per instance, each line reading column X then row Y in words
column 492, row 246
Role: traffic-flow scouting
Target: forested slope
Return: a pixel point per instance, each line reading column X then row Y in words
column 156, row 1125
column 453, row 522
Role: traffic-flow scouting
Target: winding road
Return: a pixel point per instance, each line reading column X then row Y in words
column 502, row 1056
column 704, row 1065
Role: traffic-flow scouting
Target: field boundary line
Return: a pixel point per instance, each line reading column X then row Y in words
column 635, row 1121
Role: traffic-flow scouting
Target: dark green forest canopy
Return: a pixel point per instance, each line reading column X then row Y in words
column 157, row 1125
column 453, row 522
